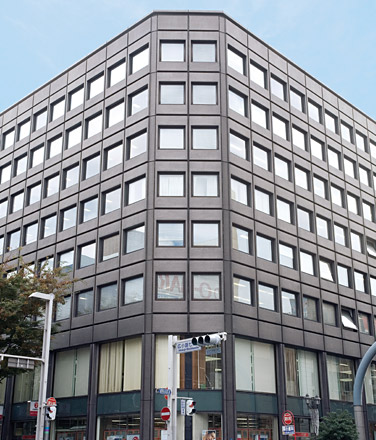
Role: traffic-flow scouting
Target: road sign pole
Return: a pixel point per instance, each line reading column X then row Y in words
column 172, row 385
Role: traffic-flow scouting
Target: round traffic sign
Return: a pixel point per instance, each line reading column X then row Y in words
column 165, row 413
column 51, row 401
column 287, row 418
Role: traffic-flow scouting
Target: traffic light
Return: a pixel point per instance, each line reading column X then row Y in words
column 213, row 339
column 51, row 412
column 190, row 407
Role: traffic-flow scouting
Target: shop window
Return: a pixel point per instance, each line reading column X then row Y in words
column 257, row 426
column 119, row 427
column 302, row 374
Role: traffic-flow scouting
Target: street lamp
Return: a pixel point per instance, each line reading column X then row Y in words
column 49, row 299
column 313, row 404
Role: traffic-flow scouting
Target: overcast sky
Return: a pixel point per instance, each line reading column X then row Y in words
column 333, row 40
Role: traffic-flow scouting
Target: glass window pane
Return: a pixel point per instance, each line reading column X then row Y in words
column 17, row 202
column 139, row 60
column 360, row 282
column 296, row 100
column 283, row 210
column 172, row 94
column 108, row 296
column 133, row 290
column 6, row 173
column 63, row 310
column 346, row 132
column 205, row 185
column 84, row 302
column 170, row 286
column 238, row 146
column 204, row 52
column 314, row 111
column 206, row 287
column 343, row 275
column 337, row 195
column 286, row 256
column 74, row 136
column 76, row 98
column 259, row 115
column 112, row 200
column 66, row 260
column 309, row 308
column 235, row 60
column 52, row 184
column 278, row 88
column 115, row 114
column 3, row 208
column 331, row 122
column 204, row 94
column 326, row 270
column 92, row 166
column 93, row 126
column 261, row 157
column 239, row 191
column 258, row 75
column 242, row 290
column 173, row 51
column 117, row 73
column 266, row 297
column 136, row 191
column 171, row 185
column 329, row 314
column 306, row 263
column 69, row 218
column 114, row 156
column 240, row 239
column 37, row 156
column 205, row 234
column 139, row 101
column 21, row 165
column 71, row 176
column 299, row 138
column 301, row 178
column 171, row 138
column 31, row 233
column 40, row 120
column 204, row 138
column 110, row 247
column 289, row 306
column 171, row 234
column 135, row 239
column 57, row 109
column 281, row 168
column 137, row 145
column 317, row 149
column 237, row 102
column 87, row 255
column 319, row 187
column 304, row 219
column 322, row 227
column 264, row 248
column 360, row 141
column 340, row 378
column 352, row 204
column 279, row 127
column 9, row 138
column 14, row 240
column 263, row 201
column 55, row 146
column 49, row 226
column 24, row 129
column 96, row 86
column 340, row 235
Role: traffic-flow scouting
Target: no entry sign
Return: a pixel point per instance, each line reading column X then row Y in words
column 287, row 418
column 165, row 413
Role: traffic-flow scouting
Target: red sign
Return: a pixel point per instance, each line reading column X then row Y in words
column 165, row 413
column 33, row 409
column 302, row 434
column 287, row 418
column 51, row 401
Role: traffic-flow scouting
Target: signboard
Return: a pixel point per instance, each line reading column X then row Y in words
column 287, row 418
column 182, row 407
column 288, row 429
column 33, row 408
column 302, row 434
column 213, row 350
column 165, row 413
column 133, row 437
column 51, row 401
column 164, row 434
column 163, row 391
column 208, row 435
column 1, row 411
column 186, row 347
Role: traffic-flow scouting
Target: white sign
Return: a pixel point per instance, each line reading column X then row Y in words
column 164, row 434
column 182, row 407
column 186, row 347
column 288, row 429
column 132, row 437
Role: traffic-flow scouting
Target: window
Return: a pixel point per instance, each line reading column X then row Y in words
column 348, row 319
column 314, row 111
column 33, row 194
column 368, row 211
column 242, row 290
column 74, row 136
column 134, row 239
column 171, row 138
column 110, row 247
column 204, row 52
column 139, row 59
column 239, row 191
column 17, row 201
column 66, row 260
column 31, row 233
column 57, row 109
column 63, row 310
column 372, row 147
column 137, row 145
column 278, row 88
column 49, row 226
column 115, row 114
column 55, row 147
column 296, row 100
column 204, row 94
column 261, row 157
column 309, row 308
column 68, row 218
column 133, row 290
column 92, row 166
column 76, row 98
column 89, row 209
column 93, row 125
column 3, row 208
column 263, row 201
column 170, row 286
column 266, row 297
column 320, row 187
column 363, row 323
column 236, row 60
column 205, row 234
column 172, row 94
column 337, row 195
column 204, row 138
column 259, row 115
column 37, row 156
column 206, row 286
column 340, row 235
column 52, row 185
column 360, row 141
column 85, row 302
column 340, row 378
column 116, row 73
column 346, row 132
column 306, row 263
column 87, row 255
column 343, row 275
column 136, row 190
column 356, row 242
column 172, row 51
column 237, row 102
column 349, row 167
column 331, row 122
column 264, row 247
column 304, row 219
column 371, row 247
column 282, row 168
column 40, row 120
column 352, row 204
column 6, row 173
column 302, row 373
column 138, row 101
column 289, row 304
column 14, row 240
column 205, row 185
column 373, row 285
column 71, row 176
column 326, row 269
column 283, row 210
column 301, row 178
column 258, row 75
column 286, row 256
column 359, row 281
column 364, row 176
column 108, row 296
column 96, row 86
column 170, row 234
column 333, row 158
column 241, row 239
column 20, row 165
column 113, row 156
column 112, row 200
column 8, row 139
column 322, row 226
column 329, row 314
column 23, row 129
column 279, row 127
column 299, row 138
column 2, row 245
column 171, row 185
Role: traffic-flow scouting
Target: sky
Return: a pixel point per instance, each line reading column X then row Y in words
column 333, row 40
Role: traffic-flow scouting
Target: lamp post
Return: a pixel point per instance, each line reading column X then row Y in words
column 49, row 299
column 313, row 404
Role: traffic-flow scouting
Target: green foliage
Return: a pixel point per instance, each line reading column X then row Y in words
column 21, row 318
column 338, row 426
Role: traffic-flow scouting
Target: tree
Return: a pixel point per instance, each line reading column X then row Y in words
column 338, row 425
column 21, row 318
